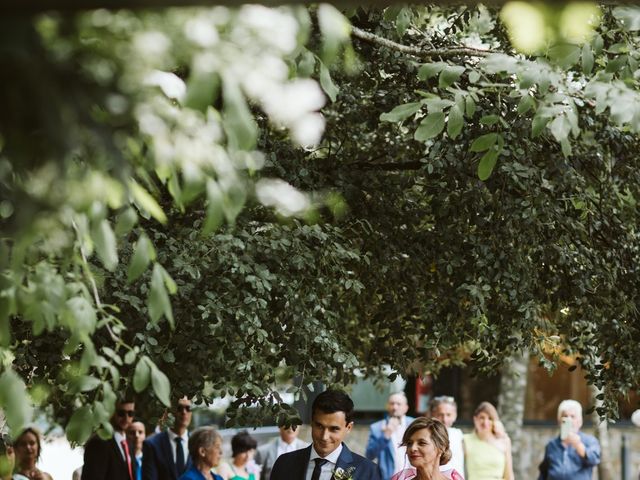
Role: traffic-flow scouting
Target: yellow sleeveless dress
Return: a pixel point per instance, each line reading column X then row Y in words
column 482, row 460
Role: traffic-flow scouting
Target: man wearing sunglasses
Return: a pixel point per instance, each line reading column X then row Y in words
column 111, row 459
column 165, row 455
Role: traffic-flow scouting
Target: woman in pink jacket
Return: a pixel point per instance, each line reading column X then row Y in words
column 427, row 443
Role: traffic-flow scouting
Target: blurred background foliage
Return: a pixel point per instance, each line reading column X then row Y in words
column 175, row 222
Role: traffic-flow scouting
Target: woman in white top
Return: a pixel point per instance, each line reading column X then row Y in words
column 445, row 409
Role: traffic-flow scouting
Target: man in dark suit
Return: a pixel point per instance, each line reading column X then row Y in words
column 111, row 459
column 165, row 455
column 328, row 457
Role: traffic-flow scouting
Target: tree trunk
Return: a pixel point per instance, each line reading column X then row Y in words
column 605, row 469
column 513, row 388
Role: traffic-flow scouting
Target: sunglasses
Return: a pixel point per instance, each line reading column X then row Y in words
column 445, row 398
column 126, row 413
column 183, row 408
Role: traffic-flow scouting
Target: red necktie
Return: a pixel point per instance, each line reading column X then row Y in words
column 127, row 457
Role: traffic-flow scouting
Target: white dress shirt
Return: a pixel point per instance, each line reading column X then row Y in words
column 457, row 451
column 284, row 447
column 327, row 469
column 172, row 442
column 399, row 452
column 119, row 437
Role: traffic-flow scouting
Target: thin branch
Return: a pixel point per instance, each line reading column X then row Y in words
column 418, row 52
column 92, row 280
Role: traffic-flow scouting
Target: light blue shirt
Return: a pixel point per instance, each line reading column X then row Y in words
column 563, row 462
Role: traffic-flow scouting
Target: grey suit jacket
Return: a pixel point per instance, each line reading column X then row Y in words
column 266, row 455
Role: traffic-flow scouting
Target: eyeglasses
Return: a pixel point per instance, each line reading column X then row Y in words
column 126, row 413
column 183, row 408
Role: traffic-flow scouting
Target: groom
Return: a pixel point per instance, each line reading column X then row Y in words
column 327, row 457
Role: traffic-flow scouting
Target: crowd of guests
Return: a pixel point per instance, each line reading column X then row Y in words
column 435, row 449
column 399, row 448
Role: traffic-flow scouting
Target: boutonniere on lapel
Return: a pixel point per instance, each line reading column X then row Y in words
column 341, row 474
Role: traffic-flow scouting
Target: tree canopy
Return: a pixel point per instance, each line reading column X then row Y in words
column 474, row 193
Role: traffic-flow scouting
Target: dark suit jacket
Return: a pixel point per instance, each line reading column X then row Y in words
column 157, row 459
column 103, row 460
column 293, row 465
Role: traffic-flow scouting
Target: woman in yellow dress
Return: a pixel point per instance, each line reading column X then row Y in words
column 487, row 451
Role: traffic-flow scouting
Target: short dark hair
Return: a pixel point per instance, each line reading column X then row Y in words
column 438, row 432
column 332, row 401
column 242, row 442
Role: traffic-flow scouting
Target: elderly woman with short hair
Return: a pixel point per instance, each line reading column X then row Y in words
column 427, row 443
column 205, row 448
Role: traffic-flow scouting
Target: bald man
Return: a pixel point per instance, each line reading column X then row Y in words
column 385, row 436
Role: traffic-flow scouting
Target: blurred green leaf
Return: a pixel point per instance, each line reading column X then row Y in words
column 335, row 29
column 487, row 164
column 80, row 315
column 15, row 401
column 525, row 104
column 401, row 112
column 628, row 16
column 455, row 122
column 126, row 221
column 428, row 70
column 105, row 242
column 141, row 375
column 326, row 83
column 215, row 207
column 158, row 301
column 538, row 124
column 202, row 90
column 430, row 127
column 587, row 59
column 146, row 202
column 80, row 425
column 484, row 142
column 161, row 385
column 239, row 125
column 143, row 254
column 449, row 75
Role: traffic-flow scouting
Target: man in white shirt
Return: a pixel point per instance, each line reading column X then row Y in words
column 288, row 441
column 327, row 457
column 165, row 455
column 445, row 409
column 385, row 437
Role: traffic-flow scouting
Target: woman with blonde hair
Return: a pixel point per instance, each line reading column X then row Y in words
column 427, row 444
column 28, row 446
column 487, row 451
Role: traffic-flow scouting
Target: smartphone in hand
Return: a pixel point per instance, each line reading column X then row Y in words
column 566, row 427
